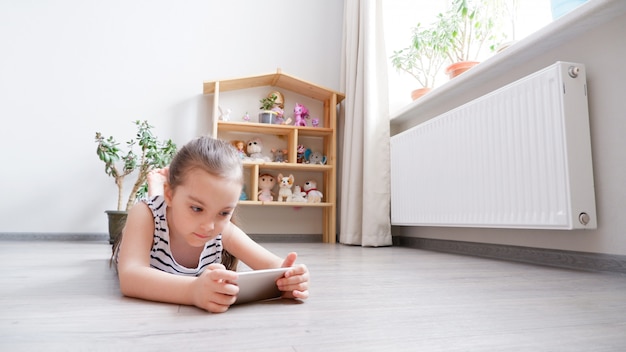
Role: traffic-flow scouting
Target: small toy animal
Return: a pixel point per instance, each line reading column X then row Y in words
column 298, row 196
column 284, row 190
column 279, row 155
column 301, row 113
column 224, row 114
column 312, row 194
column 266, row 183
column 254, row 149
column 316, row 158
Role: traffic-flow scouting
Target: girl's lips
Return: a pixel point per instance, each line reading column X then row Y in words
column 201, row 236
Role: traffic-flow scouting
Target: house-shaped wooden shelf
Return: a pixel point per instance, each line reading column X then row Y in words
column 327, row 133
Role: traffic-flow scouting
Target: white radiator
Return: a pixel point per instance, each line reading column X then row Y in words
column 518, row 157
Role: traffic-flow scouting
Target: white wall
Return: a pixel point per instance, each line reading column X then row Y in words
column 71, row 68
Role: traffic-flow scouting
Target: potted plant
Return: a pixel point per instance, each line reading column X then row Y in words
column 152, row 154
column 424, row 58
column 470, row 26
column 267, row 115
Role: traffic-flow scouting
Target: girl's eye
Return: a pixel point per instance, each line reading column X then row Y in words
column 196, row 209
column 225, row 213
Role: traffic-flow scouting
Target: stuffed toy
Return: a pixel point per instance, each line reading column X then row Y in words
column 301, row 158
column 266, row 183
column 312, row 194
column 284, row 190
column 279, row 155
column 316, row 158
column 298, row 196
column 300, row 113
column 254, row 150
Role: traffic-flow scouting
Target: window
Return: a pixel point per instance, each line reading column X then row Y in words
column 400, row 16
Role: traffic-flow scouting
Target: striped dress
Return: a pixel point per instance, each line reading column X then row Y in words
column 161, row 255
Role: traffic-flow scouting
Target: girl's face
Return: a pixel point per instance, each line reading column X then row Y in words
column 201, row 207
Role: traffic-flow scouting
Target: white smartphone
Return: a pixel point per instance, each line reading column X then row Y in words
column 258, row 285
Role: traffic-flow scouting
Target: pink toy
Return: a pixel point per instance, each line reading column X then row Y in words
column 300, row 113
column 266, row 183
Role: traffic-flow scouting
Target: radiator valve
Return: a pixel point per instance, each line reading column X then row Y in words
column 584, row 218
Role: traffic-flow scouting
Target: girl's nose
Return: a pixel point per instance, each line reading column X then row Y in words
column 208, row 225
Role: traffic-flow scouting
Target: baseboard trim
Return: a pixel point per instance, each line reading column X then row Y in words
column 38, row 236
column 295, row 238
column 539, row 256
column 34, row 236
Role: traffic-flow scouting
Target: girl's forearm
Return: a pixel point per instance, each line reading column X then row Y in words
column 154, row 285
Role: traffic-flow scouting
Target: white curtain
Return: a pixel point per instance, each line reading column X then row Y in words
column 364, row 130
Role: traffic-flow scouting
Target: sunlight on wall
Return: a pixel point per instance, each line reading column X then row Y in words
column 400, row 16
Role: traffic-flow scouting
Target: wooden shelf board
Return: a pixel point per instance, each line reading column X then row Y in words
column 284, row 204
column 277, row 79
column 266, row 128
column 287, row 166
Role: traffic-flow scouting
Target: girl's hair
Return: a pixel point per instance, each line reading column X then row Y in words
column 215, row 156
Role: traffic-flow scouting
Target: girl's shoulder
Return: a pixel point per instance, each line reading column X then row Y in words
column 155, row 203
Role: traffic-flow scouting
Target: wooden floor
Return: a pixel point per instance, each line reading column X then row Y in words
column 62, row 296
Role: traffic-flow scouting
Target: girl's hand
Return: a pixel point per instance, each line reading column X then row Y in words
column 157, row 178
column 213, row 290
column 295, row 282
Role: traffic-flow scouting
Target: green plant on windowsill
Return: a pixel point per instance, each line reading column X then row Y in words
column 471, row 27
column 425, row 57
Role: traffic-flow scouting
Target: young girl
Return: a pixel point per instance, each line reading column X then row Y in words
column 172, row 246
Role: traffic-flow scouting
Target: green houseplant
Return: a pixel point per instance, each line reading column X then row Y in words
column 151, row 154
column 471, row 27
column 424, row 58
column 267, row 115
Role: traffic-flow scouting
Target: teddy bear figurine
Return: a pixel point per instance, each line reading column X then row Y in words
column 312, row 194
column 266, row 183
column 284, row 188
column 254, row 149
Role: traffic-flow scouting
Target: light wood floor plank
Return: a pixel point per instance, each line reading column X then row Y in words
column 62, row 296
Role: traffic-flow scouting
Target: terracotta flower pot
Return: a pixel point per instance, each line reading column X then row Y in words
column 459, row 67
column 418, row 93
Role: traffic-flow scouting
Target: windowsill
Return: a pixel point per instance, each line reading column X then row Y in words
column 476, row 82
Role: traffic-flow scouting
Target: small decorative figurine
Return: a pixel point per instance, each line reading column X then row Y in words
column 239, row 145
column 315, row 122
column 243, row 195
column 255, row 148
column 298, row 196
column 246, row 117
column 301, row 157
column 266, row 183
column 284, row 190
column 301, row 113
column 279, row 155
column 312, row 194
column 224, row 113
column 316, row 158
